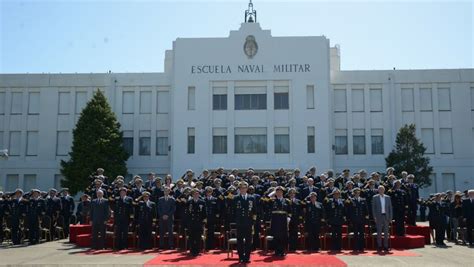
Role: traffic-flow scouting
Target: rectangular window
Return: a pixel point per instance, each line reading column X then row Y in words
column 219, row 140
column 358, row 100
column 446, row 138
column 407, row 99
column 250, row 101
column 377, row 141
column 81, row 101
column 281, row 100
column 29, row 182
column 145, row 102
column 128, row 102
column 144, row 143
column 219, row 102
column 444, row 99
column 62, row 143
column 340, row 100
column 191, row 98
column 2, row 102
column 341, row 142
column 12, row 182
column 33, row 103
column 15, row 143
column 310, row 96
column 449, row 182
column 311, row 140
column 250, row 140
column 161, row 143
column 57, row 180
column 32, row 143
column 64, row 102
column 282, row 140
column 128, row 142
column 376, row 100
column 358, row 141
column 191, row 140
column 426, row 99
column 427, row 137
column 17, row 103
column 163, row 100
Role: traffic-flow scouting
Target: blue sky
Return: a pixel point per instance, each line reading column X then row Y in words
column 131, row 36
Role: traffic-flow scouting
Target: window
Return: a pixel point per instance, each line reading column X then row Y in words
column 377, row 141
column 340, row 101
column 128, row 142
column 15, row 143
column 358, row 141
column 144, row 143
column 311, row 140
column 17, row 103
column 449, row 181
column 358, row 100
column 310, row 96
column 376, row 100
column 446, row 138
column 29, row 182
column 33, row 103
column 12, row 182
column 426, row 100
column 191, row 140
column 191, row 98
column 250, row 140
column 161, row 143
column 341, row 142
column 32, row 143
column 81, row 101
column 219, row 140
column 62, row 143
column 282, row 140
column 128, row 102
column 427, row 137
column 163, row 102
column 219, row 102
column 57, row 180
column 407, row 99
column 444, row 99
column 2, row 102
column 64, row 102
column 250, row 101
column 281, row 101
column 145, row 102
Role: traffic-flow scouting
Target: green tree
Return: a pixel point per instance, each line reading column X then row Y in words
column 409, row 155
column 97, row 143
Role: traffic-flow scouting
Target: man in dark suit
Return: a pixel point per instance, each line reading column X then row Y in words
column 99, row 215
column 309, row 189
column 166, row 210
column 245, row 214
column 122, row 210
column 67, row 209
column 468, row 214
column 19, row 207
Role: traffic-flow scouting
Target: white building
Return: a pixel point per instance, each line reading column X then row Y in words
column 249, row 99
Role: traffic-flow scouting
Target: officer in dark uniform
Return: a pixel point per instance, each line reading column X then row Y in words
column 123, row 208
column 245, row 214
column 413, row 199
column 314, row 216
column 4, row 211
column 335, row 210
column 67, row 209
column 358, row 213
column 281, row 213
column 19, row 207
column 438, row 211
column 212, row 217
column 468, row 214
column 36, row 208
column 146, row 215
column 399, row 202
column 53, row 208
column 196, row 213
column 157, row 190
column 296, row 218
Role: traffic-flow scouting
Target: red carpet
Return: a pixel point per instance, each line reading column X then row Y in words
column 220, row 258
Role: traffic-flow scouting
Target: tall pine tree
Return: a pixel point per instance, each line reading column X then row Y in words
column 97, row 143
column 409, row 155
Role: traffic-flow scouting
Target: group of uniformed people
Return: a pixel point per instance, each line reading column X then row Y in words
column 284, row 205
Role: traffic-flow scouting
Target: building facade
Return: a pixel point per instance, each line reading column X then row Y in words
column 246, row 100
